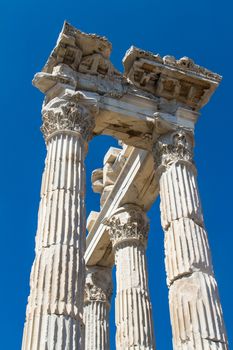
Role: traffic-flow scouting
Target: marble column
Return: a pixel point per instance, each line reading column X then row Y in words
column 128, row 233
column 55, row 304
column 97, row 297
column 195, row 309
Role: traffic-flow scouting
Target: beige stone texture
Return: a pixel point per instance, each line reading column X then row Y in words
column 97, row 298
column 128, row 232
column 195, row 309
column 152, row 108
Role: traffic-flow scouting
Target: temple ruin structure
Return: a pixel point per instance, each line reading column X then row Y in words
column 152, row 109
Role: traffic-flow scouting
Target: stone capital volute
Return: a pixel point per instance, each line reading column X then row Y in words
column 172, row 147
column 75, row 115
column 128, row 224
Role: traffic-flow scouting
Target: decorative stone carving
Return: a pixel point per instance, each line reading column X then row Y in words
column 128, row 229
column 57, row 280
column 184, row 63
column 128, row 224
column 173, row 146
column 79, row 54
column 157, row 99
column 98, row 286
column 76, row 114
column 73, row 44
column 193, row 294
column 97, row 296
column 167, row 77
column 96, row 64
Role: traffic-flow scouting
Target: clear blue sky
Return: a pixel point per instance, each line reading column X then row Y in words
column 200, row 29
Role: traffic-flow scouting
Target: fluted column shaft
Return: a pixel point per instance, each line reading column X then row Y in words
column 97, row 296
column 128, row 232
column 55, row 303
column 195, row 309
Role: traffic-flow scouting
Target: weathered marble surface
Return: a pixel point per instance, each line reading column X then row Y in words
column 97, row 298
column 128, row 229
column 133, row 105
column 55, row 304
column 136, row 183
column 195, row 309
column 154, row 106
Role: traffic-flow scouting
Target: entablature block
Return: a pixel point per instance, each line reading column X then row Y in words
column 153, row 91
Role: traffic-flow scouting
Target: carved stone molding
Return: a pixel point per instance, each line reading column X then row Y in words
column 98, row 285
column 173, row 146
column 76, row 114
column 182, row 80
column 96, row 64
column 128, row 224
column 184, row 64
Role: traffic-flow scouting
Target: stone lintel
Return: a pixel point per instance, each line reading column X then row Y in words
column 92, row 219
column 97, row 180
column 136, row 184
column 104, row 178
column 111, row 155
column 132, row 118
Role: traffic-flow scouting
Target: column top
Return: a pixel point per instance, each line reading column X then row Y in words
column 172, row 147
column 98, row 285
column 128, row 224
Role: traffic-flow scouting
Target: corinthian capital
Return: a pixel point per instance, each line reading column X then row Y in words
column 173, row 146
column 128, row 223
column 75, row 114
column 98, row 286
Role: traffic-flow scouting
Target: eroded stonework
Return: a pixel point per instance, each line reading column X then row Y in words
column 152, row 108
column 176, row 145
column 97, row 297
column 152, row 73
column 98, row 285
column 76, row 114
column 128, row 224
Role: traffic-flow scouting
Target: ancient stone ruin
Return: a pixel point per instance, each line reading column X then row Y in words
column 152, row 108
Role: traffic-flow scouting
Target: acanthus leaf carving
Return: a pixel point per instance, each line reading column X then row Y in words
column 129, row 223
column 173, row 146
column 93, row 293
column 98, row 286
column 76, row 114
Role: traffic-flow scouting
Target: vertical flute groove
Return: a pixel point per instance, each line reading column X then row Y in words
column 195, row 309
column 128, row 233
column 97, row 296
column 56, row 287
